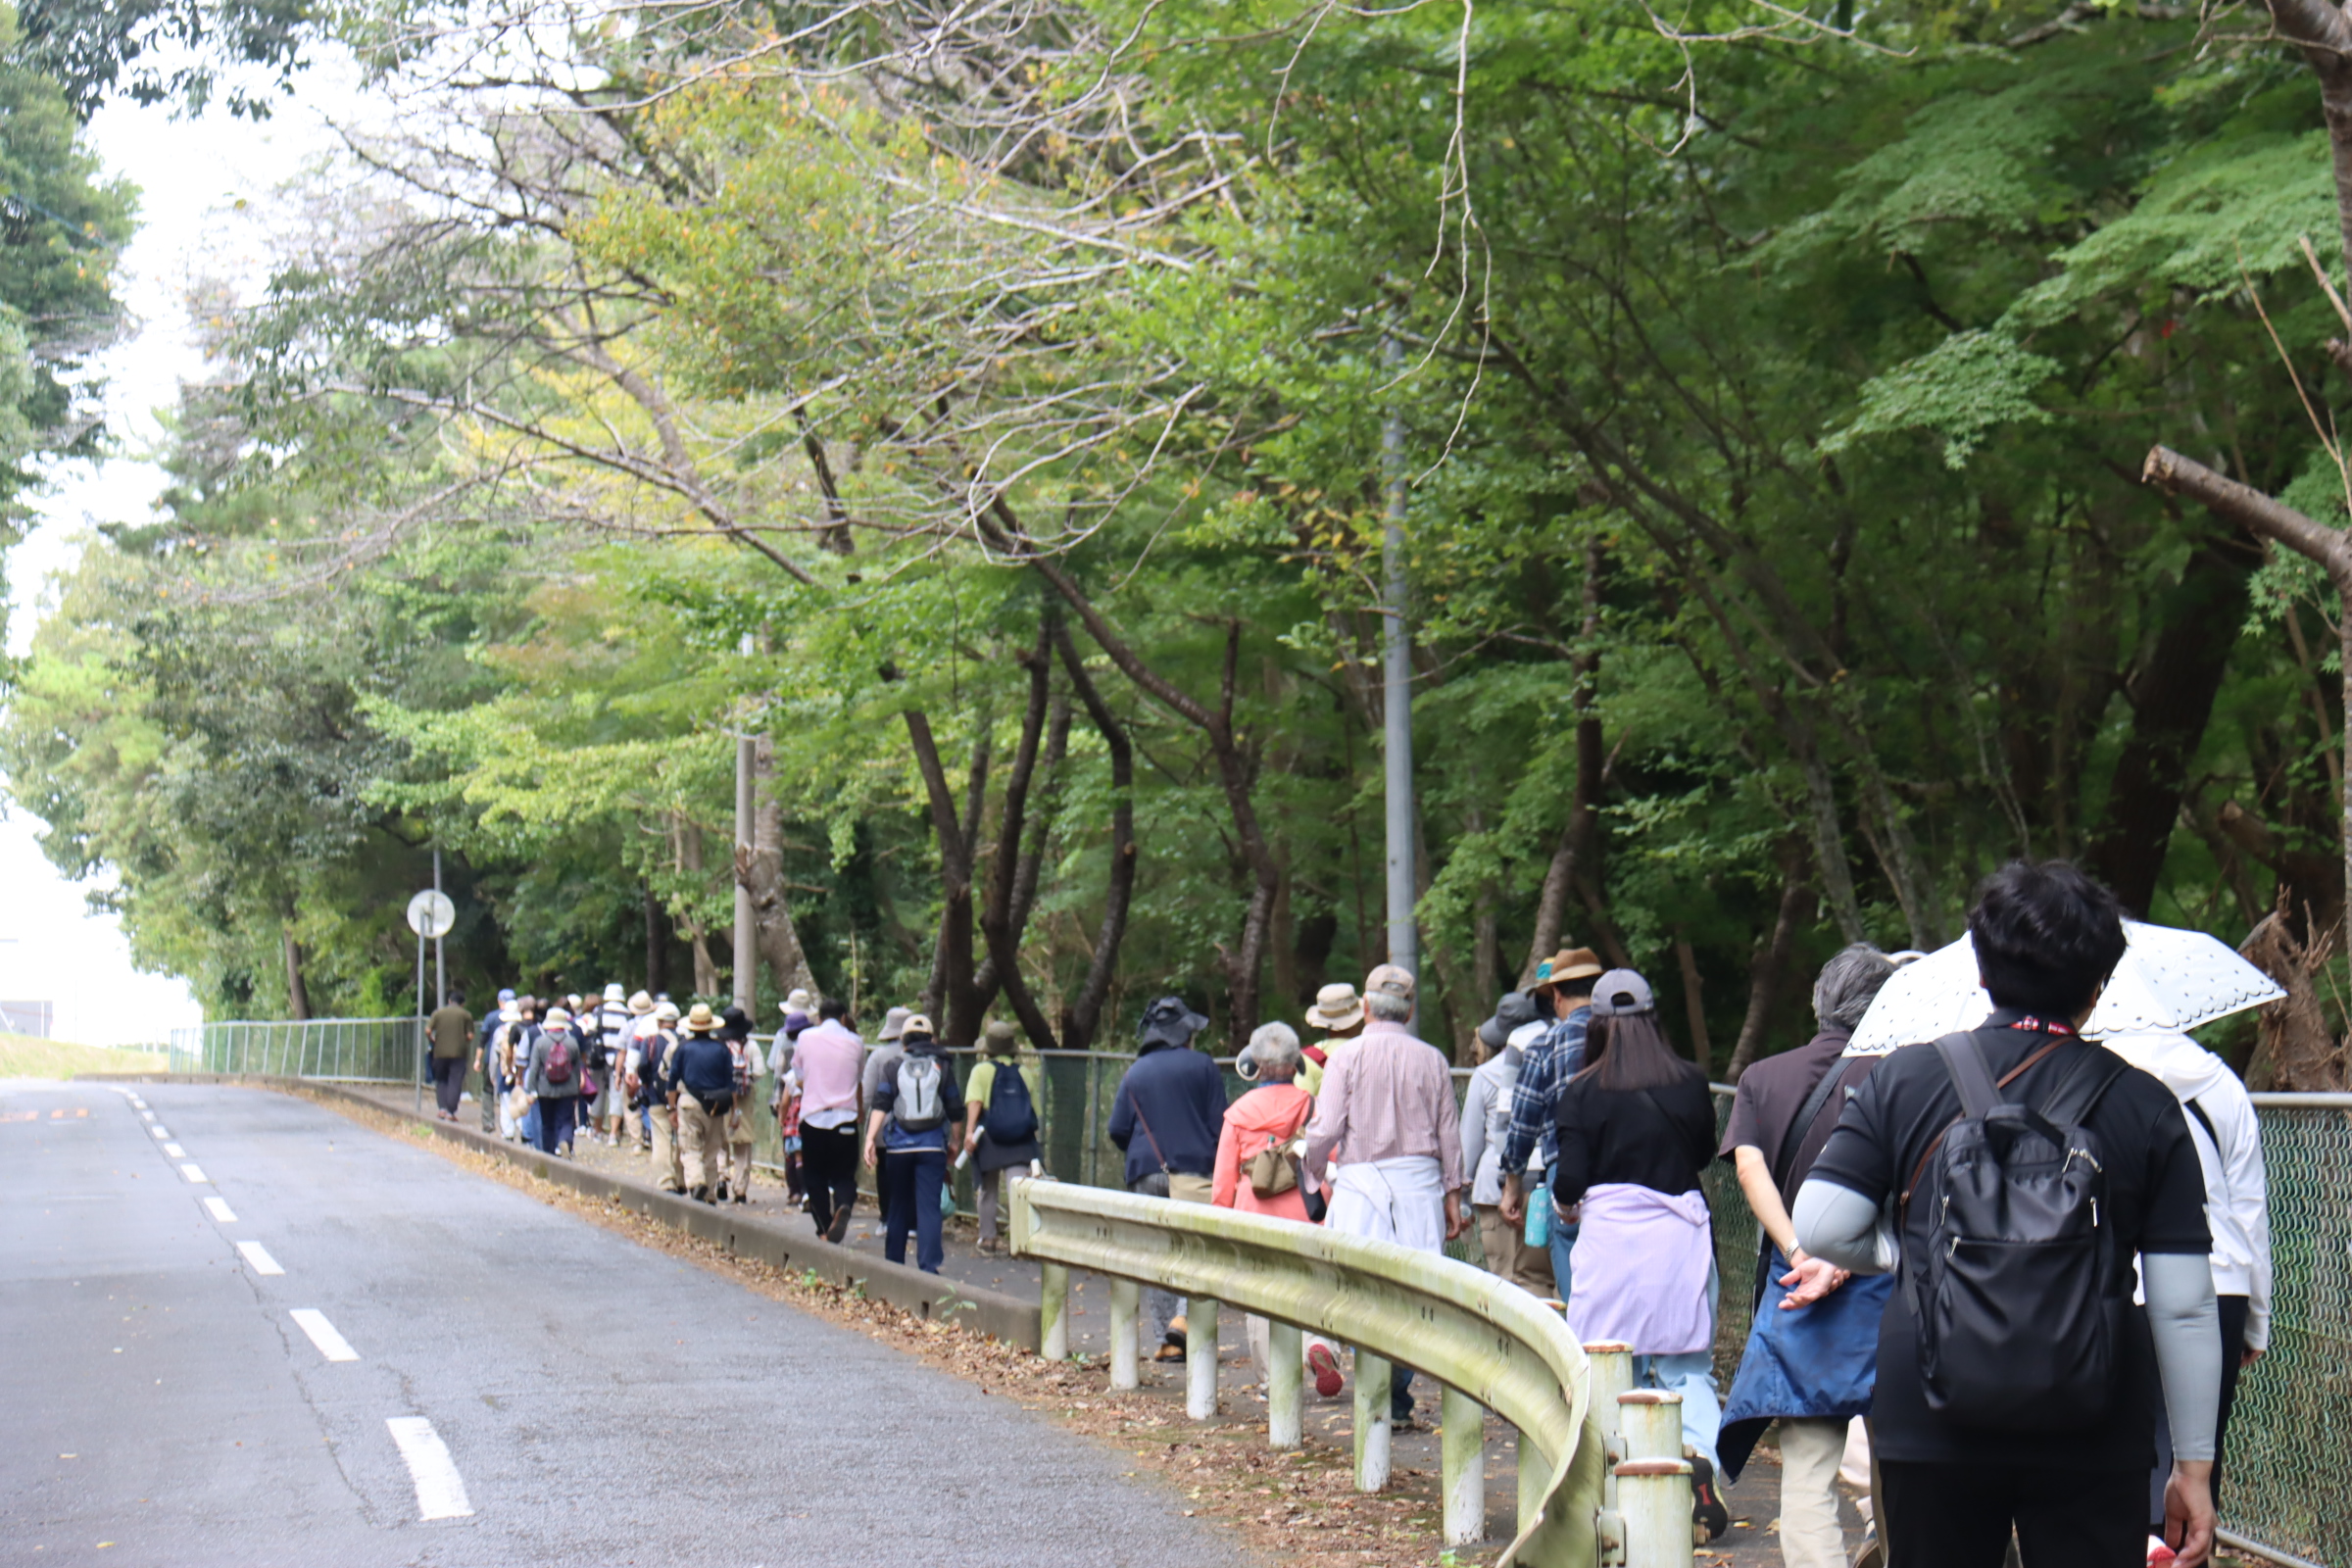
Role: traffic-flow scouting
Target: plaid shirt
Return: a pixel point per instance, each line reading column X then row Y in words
column 1544, row 1068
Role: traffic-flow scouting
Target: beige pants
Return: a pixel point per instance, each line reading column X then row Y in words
column 1507, row 1254
column 737, row 1166
column 702, row 1147
column 667, row 1169
column 1810, row 1450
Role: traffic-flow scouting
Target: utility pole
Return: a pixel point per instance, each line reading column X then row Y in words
column 440, row 972
column 1397, row 698
column 747, row 945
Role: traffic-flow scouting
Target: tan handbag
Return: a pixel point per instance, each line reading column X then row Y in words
column 1273, row 1170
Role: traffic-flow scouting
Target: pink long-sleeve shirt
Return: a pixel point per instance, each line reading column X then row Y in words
column 1386, row 1096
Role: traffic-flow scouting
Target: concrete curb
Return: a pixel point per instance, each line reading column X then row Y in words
column 763, row 1241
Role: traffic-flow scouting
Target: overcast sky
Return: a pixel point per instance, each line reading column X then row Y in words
column 202, row 184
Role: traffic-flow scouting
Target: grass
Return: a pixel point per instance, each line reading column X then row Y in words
column 23, row 1057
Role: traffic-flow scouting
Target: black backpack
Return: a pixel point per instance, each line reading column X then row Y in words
column 1011, row 1117
column 2015, row 1324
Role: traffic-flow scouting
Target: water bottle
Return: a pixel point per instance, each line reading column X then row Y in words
column 1539, row 1218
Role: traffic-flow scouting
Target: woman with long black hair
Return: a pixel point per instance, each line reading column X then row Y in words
column 1637, row 1125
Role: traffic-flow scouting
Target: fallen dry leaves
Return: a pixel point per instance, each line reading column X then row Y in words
column 1294, row 1510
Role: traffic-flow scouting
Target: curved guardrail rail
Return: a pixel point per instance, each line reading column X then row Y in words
column 1492, row 1344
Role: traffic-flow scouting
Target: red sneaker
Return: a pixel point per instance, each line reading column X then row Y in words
column 2159, row 1555
column 1326, row 1367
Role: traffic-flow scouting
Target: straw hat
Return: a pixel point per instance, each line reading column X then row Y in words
column 641, row 1003
column 700, row 1020
column 1569, row 963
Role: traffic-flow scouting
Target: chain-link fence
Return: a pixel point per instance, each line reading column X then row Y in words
column 349, row 1049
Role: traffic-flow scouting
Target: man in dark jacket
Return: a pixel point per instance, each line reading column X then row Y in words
column 702, row 1091
column 1170, row 1109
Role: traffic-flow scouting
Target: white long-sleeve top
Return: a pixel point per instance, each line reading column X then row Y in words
column 1486, row 1117
column 2238, row 1206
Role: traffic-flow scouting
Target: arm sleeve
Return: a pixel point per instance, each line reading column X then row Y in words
column 1572, row 1172
column 1474, row 1121
column 1530, row 1112
column 2251, row 1201
column 1450, row 1128
column 2188, row 1328
column 1122, row 1113
column 1330, row 1121
column 1843, row 1226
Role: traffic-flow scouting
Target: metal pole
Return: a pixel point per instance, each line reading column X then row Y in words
column 440, row 974
column 1285, row 1397
column 1200, row 1371
column 1371, row 1420
column 1124, row 1299
column 747, row 949
column 1053, row 1312
column 1462, row 1468
column 1396, row 697
column 420, row 1023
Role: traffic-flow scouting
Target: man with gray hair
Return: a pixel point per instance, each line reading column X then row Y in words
column 1386, row 1125
column 1811, row 1362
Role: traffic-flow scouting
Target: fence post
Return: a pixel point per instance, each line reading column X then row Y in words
column 1654, row 1497
column 1371, row 1420
column 1285, row 1397
column 1200, row 1371
column 1053, row 1312
column 1463, row 1466
column 1124, row 1297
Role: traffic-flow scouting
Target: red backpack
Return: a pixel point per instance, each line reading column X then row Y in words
column 558, row 1058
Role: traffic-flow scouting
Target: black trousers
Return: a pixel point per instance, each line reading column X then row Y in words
column 829, row 1166
column 2233, row 1310
column 1959, row 1515
column 449, row 1082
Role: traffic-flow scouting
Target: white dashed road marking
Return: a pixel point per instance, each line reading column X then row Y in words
column 194, row 1172
column 263, row 1263
column 440, row 1489
column 334, row 1346
column 175, row 1152
column 221, row 1211
column 160, row 1131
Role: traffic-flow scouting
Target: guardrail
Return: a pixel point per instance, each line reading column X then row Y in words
column 1602, row 1476
column 375, row 1051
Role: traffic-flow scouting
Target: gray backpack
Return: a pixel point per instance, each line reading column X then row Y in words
column 922, row 1105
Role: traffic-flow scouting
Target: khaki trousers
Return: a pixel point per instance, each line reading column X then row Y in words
column 667, row 1170
column 737, row 1166
column 1509, row 1256
column 1810, row 1450
column 702, row 1139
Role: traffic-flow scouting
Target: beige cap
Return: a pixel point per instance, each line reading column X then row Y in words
column 1391, row 979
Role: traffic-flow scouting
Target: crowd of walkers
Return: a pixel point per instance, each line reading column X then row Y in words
column 2047, row 1376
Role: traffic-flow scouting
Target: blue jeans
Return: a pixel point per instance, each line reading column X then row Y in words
column 916, row 1176
column 551, row 1121
column 1563, row 1242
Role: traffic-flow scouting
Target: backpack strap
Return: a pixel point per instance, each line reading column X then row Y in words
column 1794, row 1138
column 2092, row 1074
column 1964, row 1062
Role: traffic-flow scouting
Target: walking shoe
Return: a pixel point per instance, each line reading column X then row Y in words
column 1706, row 1500
column 1868, row 1554
column 1326, row 1368
column 1168, row 1352
column 722, row 1189
column 2160, row 1554
column 1175, row 1334
column 839, row 1228
column 701, row 1194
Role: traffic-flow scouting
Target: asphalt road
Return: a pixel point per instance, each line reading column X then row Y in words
column 586, row 1400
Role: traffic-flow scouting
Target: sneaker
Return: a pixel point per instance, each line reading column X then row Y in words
column 1175, row 1334
column 839, row 1228
column 1868, row 1554
column 1706, row 1501
column 1168, row 1352
column 1326, row 1368
column 2159, row 1553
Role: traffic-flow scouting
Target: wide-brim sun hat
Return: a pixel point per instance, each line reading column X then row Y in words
column 1336, row 1006
column 641, row 1003
column 700, row 1020
column 666, row 1012
column 613, row 993
column 894, row 1024
column 1569, row 963
column 1511, row 1013
column 556, row 1017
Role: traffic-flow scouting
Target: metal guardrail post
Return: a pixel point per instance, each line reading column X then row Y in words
column 1200, row 1371
column 1462, row 1468
column 1053, row 1312
column 1655, row 1497
column 1286, row 1394
column 1612, row 1363
column 1371, row 1420
column 1124, row 1297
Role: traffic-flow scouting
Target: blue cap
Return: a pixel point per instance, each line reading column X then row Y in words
column 506, row 994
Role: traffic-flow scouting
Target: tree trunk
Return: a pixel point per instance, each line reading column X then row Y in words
column 1695, row 1003
column 656, row 943
column 1001, row 919
column 298, row 994
column 2171, row 700
column 686, row 839
column 1764, row 973
column 777, row 941
column 1577, row 854
column 1085, row 1014
column 954, row 978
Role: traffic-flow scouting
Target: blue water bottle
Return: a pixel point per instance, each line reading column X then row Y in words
column 1539, row 1217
